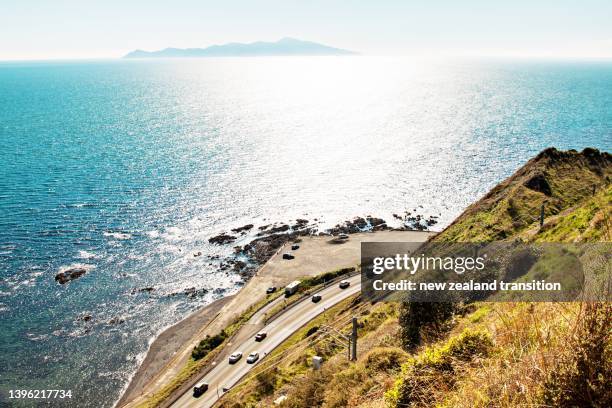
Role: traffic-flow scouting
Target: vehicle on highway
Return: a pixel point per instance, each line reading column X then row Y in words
column 291, row 288
column 236, row 355
column 295, row 247
column 344, row 284
column 253, row 357
column 260, row 336
column 343, row 236
column 316, row 298
column 288, row 255
column 200, row 389
column 271, row 289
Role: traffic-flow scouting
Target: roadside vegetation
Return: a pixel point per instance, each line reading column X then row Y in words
column 209, row 347
column 480, row 354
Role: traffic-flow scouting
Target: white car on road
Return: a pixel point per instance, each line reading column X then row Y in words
column 236, row 355
column 253, row 357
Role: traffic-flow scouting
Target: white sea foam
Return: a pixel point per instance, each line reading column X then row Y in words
column 153, row 234
column 117, row 235
column 173, row 234
column 88, row 255
column 87, row 267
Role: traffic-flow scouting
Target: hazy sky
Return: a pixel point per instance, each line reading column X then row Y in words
column 31, row 29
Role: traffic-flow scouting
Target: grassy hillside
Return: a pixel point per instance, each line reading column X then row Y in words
column 557, row 179
column 483, row 354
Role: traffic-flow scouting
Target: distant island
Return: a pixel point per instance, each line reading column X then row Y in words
column 282, row 47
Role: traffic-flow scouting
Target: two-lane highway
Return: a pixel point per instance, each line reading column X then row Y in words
column 225, row 375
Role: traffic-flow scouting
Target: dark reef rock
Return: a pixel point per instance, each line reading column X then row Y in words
column 275, row 230
column 299, row 224
column 243, row 228
column 84, row 318
column 70, row 274
column 193, row 292
column 143, row 290
column 116, row 320
column 262, row 249
column 359, row 224
column 222, row 239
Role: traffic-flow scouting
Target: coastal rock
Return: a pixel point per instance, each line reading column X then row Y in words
column 418, row 222
column 262, row 249
column 299, row 224
column 374, row 222
column 143, row 290
column 222, row 239
column 243, row 228
column 193, row 292
column 275, row 230
column 116, row 320
column 69, row 275
column 359, row 224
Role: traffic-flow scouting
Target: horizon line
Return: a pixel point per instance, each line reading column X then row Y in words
column 413, row 55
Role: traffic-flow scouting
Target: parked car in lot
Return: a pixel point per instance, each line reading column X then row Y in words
column 316, row 298
column 295, row 247
column 260, row 336
column 236, row 355
column 200, row 389
column 288, row 255
column 253, row 357
column 344, row 284
column 271, row 289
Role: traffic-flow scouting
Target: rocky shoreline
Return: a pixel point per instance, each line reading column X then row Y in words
column 273, row 236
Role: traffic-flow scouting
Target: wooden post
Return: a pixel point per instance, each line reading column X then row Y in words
column 354, row 340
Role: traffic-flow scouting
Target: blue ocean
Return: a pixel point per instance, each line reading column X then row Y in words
column 126, row 168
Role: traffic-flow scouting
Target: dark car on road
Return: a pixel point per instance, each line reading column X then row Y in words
column 295, row 247
column 271, row 289
column 200, row 389
column 260, row 336
column 316, row 298
column 288, row 255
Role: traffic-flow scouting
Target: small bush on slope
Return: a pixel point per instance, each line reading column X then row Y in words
column 436, row 369
column 583, row 377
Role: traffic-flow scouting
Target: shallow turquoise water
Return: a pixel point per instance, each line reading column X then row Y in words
column 128, row 167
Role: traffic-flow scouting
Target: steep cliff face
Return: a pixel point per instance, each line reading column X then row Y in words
column 556, row 179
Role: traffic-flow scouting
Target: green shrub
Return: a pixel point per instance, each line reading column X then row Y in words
column 583, row 377
column 325, row 277
column 415, row 316
column 385, row 359
column 207, row 345
column 436, row 368
column 266, row 381
column 311, row 331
